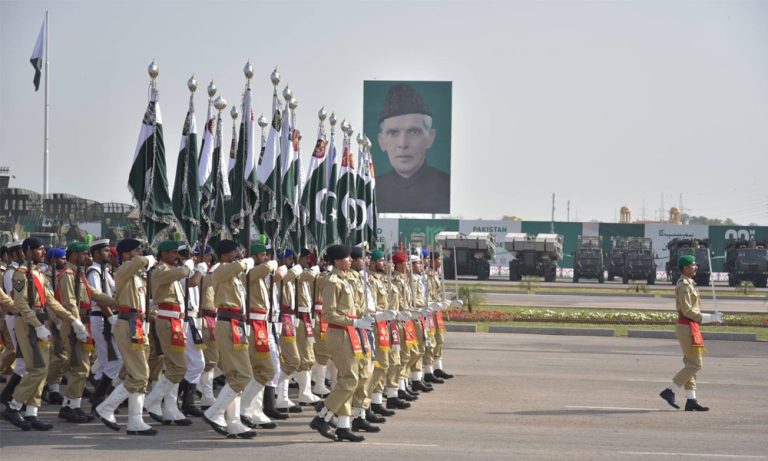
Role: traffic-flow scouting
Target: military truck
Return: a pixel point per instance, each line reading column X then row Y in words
column 689, row 246
column 535, row 255
column 640, row 261
column 467, row 254
column 588, row 259
column 746, row 260
column 616, row 258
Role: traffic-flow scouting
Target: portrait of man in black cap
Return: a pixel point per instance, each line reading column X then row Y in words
column 407, row 134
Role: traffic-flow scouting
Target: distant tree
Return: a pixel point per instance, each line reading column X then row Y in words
column 708, row 221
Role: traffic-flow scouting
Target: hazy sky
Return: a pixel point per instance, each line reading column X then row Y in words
column 603, row 103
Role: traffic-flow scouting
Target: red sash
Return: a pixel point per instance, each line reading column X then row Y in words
column 136, row 325
column 411, row 340
column 439, row 321
column 382, row 333
column 288, row 333
column 261, row 341
column 697, row 340
column 239, row 340
column 178, row 343
column 354, row 338
column 395, row 335
column 84, row 304
column 209, row 320
column 40, row 290
column 304, row 317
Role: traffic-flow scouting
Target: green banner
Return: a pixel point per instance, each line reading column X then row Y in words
column 422, row 232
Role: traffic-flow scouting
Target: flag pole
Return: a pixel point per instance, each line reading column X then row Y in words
column 248, row 72
column 45, row 122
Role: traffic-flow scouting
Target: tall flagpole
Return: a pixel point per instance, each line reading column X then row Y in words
column 45, row 123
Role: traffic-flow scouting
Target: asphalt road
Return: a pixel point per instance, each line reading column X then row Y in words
column 606, row 301
column 521, row 397
column 566, row 283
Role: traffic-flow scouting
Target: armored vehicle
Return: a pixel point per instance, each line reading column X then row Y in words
column 467, row 254
column 746, row 260
column 534, row 255
column 640, row 261
column 689, row 246
column 588, row 259
column 616, row 258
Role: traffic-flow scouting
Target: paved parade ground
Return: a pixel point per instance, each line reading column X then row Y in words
column 514, row 397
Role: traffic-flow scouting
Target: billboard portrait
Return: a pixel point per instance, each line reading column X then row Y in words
column 409, row 125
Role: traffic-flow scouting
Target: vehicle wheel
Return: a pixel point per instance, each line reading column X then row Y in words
column 601, row 278
column 652, row 279
column 551, row 275
column 448, row 267
column 483, row 271
column 575, row 278
column 731, row 281
column 611, row 277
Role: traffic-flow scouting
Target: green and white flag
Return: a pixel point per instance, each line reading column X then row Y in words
column 329, row 205
column 289, row 143
column 314, row 193
column 361, row 211
column 186, row 189
column 268, row 177
column 217, row 210
column 370, row 201
column 345, row 192
column 38, row 54
column 244, row 184
column 147, row 179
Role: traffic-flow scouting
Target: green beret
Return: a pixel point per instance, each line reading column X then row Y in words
column 377, row 255
column 685, row 260
column 257, row 248
column 77, row 247
column 168, row 245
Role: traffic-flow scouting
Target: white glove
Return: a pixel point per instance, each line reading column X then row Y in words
column 457, row 304
column 315, row 270
column 189, row 264
column 80, row 331
column 366, row 323
column 403, row 316
column 113, row 320
column 280, row 273
column 387, row 315
column 444, row 305
column 202, row 268
column 717, row 317
column 297, row 269
column 151, row 261
column 272, row 265
column 42, row 333
column 248, row 263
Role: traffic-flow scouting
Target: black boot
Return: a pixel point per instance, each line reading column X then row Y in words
column 380, row 410
column 269, row 404
column 430, row 378
column 70, row 415
column 441, row 374
column 7, row 394
column 404, row 395
column 37, row 424
column 372, row 417
column 693, row 405
column 346, row 434
column 321, row 425
column 188, row 399
column 397, row 404
column 420, row 386
column 100, row 393
column 15, row 418
column 669, row 396
column 360, row 424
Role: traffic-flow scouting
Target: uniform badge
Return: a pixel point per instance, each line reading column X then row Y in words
column 19, row 284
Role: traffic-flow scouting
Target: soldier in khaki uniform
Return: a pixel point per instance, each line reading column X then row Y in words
column 305, row 335
column 688, row 335
column 433, row 359
column 31, row 300
column 7, row 351
column 258, row 406
column 210, row 349
column 167, row 294
column 322, row 366
column 420, row 315
column 132, row 337
column 289, row 351
column 15, row 259
column 345, row 346
column 75, row 293
column 386, row 352
column 408, row 340
column 232, row 339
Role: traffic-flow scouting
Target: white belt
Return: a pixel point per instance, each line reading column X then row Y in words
column 318, row 307
column 306, row 309
column 252, row 316
column 171, row 314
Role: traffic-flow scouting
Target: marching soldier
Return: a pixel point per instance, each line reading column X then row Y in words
column 208, row 315
column 688, row 335
column 75, row 293
column 305, row 335
column 289, row 351
column 322, row 366
column 31, row 299
column 433, row 359
column 193, row 332
column 345, row 347
column 406, row 327
column 231, row 337
column 130, row 334
column 103, row 320
column 167, row 294
column 15, row 258
column 420, row 317
column 7, row 351
column 59, row 360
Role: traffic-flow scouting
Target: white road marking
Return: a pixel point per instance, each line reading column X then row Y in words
column 698, row 455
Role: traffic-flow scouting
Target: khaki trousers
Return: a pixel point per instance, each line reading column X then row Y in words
column 59, row 359
column 211, row 350
column 289, row 355
column 691, row 359
column 30, row 388
column 381, row 365
column 306, row 352
column 8, row 355
column 261, row 367
column 175, row 361
column 234, row 363
column 339, row 401
column 135, row 371
column 362, row 396
column 436, row 351
column 416, row 356
column 320, row 348
column 79, row 363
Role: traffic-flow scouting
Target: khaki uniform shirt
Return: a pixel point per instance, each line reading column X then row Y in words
column 339, row 299
column 66, row 290
column 289, row 286
column 403, row 290
column 306, row 287
column 21, row 302
column 130, row 288
column 258, row 287
column 379, row 291
column 166, row 288
column 229, row 291
column 687, row 299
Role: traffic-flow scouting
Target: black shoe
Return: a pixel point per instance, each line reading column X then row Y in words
column 243, row 435
column 150, row 431
column 3, row 379
column 69, row 415
column 64, row 380
column 293, row 385
column 394, row 403
column 219, row 381
column 693, row 405
column 346, row 434
column 114, row 426
column 441, row 374
column 88, row 417
column 321, row 425
column 37, row 424
column 7, row 394
column 248, row 422
column 360, row 424
column 268, row 405
column 430, row 378
column 293, row 409
column 403, row 395
column 158, row 418
column 372, row 417
column 380, row 410
column 420, row 386
column 179, row 422
column 100, row 393
column 188, row 399
column 15, row 418
column 669, row 396
column 268, row 426
column 55, row 398
column 216, row 427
